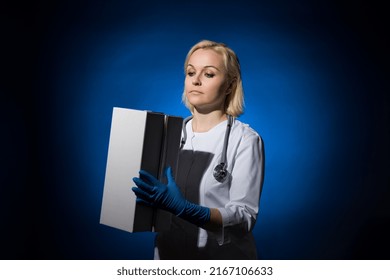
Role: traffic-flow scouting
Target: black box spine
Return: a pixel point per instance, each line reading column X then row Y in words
column 170, row 153
column 152, row 148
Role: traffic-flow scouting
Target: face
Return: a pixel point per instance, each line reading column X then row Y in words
column 205, row 82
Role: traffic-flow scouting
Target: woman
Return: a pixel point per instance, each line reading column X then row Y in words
column 213, row 215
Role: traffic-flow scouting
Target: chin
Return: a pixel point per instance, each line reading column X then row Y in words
column 196, row 101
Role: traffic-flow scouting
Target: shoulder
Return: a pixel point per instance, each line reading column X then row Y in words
column 247, row 142
column 245, row 137
column 244, row 130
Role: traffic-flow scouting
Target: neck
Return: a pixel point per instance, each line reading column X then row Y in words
column 205, row 122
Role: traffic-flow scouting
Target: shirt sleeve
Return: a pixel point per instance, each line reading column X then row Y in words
column 247, row 176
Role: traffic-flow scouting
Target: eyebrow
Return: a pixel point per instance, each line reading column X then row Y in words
column 207, row 66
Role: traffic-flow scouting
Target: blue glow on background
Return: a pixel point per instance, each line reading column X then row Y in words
column 305, row 84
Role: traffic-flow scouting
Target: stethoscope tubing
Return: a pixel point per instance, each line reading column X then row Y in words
column 220, row 171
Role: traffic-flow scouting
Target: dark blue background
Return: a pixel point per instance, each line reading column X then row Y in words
column 315, row 76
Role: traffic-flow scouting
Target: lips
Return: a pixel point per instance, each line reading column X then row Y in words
column 195, row 92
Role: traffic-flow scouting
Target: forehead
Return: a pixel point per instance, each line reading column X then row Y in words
column 206, row 57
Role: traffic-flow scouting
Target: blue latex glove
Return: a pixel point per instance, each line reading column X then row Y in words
column 152, row 192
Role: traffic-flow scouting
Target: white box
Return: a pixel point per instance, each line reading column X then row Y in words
column 138, row 140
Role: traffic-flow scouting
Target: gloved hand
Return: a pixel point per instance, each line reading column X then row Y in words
column 152, row 192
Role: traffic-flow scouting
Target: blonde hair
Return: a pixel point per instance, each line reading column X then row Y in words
column 234, row 102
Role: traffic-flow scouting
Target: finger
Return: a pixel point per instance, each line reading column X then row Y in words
column 144, row 202
column 144, row 175
column 168, row 173
column 142, row 194
column 143, row 185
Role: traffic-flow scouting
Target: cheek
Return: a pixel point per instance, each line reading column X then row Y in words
column 220, row 89
column 224, row 87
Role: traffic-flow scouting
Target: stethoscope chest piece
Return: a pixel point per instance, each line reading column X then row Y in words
column 220, row 172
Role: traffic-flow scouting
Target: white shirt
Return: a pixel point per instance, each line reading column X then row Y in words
column 237, row 198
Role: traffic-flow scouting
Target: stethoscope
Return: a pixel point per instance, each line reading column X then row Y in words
column 220, row 172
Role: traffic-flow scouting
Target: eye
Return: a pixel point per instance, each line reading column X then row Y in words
column 209, row 75
column 190, row 73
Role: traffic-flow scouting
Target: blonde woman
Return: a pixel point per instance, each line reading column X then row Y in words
column 216, row 193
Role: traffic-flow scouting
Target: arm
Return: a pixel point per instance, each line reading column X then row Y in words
column 247, row 177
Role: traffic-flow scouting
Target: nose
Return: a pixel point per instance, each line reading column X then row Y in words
column 196, row 81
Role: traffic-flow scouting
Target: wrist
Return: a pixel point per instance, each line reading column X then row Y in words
column 179, row 212
column 196, row 214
